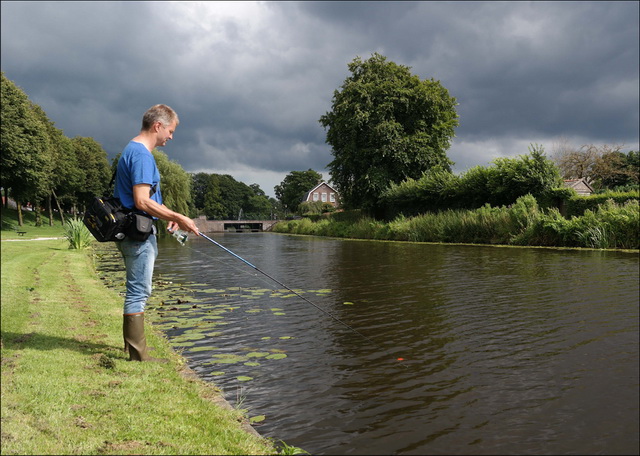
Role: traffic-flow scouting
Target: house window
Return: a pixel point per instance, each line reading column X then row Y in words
column 315, row 196
column 332, row 197
column 324, row 197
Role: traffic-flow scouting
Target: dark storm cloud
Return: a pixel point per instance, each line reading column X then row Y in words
column 250, row 80
column 516, row 68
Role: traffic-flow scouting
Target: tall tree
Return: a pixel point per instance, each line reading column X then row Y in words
column 223, row 197
column 614, row 169
column 603, row 166
column 95, row 169
column 295, row 185
column 65, row 176
column 199, row 184
column 386, row 125
column 575, row 163
column 212, row 200
column 24, row 146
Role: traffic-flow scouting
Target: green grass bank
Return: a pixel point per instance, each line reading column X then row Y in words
column 67, row 387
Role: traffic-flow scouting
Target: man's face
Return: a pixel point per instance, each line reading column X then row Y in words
column 165, row 133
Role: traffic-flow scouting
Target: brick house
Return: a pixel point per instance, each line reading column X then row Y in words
column 323, row 192
column 581, row 186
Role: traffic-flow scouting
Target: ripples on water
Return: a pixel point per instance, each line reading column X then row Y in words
column 506, row 351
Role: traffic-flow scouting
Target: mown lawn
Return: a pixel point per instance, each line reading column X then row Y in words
column 67, row 387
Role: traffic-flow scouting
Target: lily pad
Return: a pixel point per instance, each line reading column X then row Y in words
column 200, row 349
column 277, row 356
column 257, row 419
column 227, row 359
column 243, row 378
column 257, row 354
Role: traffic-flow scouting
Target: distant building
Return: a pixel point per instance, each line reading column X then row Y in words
column 581, row 186
column 323, row 192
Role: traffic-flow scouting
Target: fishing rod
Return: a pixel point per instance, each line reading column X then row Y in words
column 282, row 285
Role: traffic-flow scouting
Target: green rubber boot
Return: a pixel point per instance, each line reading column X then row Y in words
column 135, row 340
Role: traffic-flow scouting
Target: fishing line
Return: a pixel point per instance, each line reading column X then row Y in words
column 286, row 287
column 282, row 285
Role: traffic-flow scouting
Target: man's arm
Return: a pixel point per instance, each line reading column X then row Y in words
column 144, row 203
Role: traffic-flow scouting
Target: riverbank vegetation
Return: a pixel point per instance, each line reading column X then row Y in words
column 610, row 226
column 67, row 386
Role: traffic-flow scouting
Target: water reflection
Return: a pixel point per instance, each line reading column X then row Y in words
column 505, row 350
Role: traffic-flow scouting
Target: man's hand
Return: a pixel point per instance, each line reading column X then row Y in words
column 185, row 224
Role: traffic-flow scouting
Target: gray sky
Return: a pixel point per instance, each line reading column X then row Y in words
column 250, row 80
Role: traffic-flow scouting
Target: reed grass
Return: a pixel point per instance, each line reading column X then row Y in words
column 77, row 234
column 611, row 226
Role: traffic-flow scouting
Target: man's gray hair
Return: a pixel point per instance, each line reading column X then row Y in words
column 159, row 113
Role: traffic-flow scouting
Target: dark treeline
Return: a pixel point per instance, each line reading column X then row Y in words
column 40, row 165
column 221, row 197
column 43, row 168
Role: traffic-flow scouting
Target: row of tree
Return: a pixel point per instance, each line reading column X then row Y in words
column 41, row 164
column 43, row 167
column 221, row 197
column 386, row 126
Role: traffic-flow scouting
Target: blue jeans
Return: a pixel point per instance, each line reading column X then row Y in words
column 139, row 259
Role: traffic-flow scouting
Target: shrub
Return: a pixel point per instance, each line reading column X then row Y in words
column 77, row 234
column 577, row 205
column 611, row 225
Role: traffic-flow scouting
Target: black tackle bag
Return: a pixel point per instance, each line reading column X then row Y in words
column 107, row 219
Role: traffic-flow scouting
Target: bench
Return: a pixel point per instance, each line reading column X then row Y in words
column 21, row 233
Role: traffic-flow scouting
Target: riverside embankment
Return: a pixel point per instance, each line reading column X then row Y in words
column 67, row 387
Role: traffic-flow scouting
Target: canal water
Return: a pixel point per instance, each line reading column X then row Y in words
column 411, row 348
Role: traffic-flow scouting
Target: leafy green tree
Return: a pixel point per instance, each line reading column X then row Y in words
column 223, row 197
column 212, row 198
column 512, row 178
column 94, row 166
column 68, row 176
column 386, row 125
column 615, row 169
column 24, row 146
column 65, row 177
column 232, row 196
column 199, row 185
column 295, row 185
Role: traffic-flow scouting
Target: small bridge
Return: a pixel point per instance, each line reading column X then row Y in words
column 234, row 226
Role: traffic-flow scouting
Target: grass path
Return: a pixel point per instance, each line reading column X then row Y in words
column 67, row 387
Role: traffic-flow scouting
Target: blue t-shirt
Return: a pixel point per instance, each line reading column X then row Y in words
column 136, row 166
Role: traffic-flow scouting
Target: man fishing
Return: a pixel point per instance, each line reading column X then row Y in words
column 138, row 187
